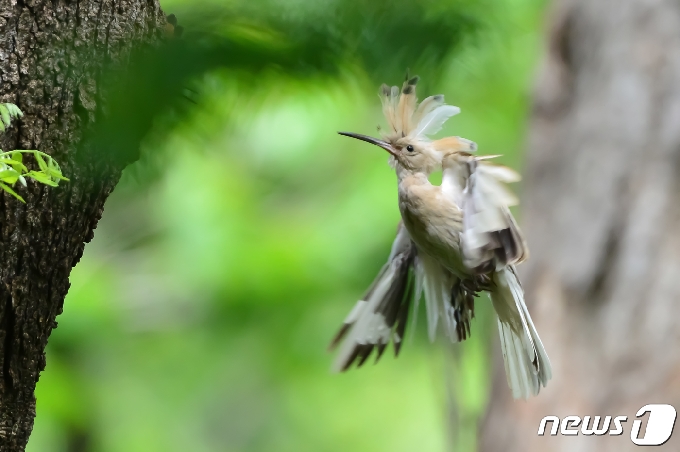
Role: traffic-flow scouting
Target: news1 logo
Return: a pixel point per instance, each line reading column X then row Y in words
column 658, row 431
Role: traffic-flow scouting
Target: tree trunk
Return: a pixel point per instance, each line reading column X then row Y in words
column 51, row 54
column 601, row 213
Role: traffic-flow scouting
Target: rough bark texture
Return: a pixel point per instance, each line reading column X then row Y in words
column 51, row 54
column 602, row 216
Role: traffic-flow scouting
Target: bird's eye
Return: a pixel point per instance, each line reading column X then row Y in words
column 409, row 148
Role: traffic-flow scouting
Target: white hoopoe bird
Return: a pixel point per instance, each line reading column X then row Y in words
column 455, row 240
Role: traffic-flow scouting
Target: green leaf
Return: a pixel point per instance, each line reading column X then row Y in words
column 14, row 110
column 4, row 114
column 9, row 190
column 41, row 161
column 42, row 178
column 53, row 169
column 18, row 166
column 18, row 156
column 9, row 176
column 58, row 176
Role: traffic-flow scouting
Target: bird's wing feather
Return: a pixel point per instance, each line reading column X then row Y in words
column 491, row 238
column 380, row 316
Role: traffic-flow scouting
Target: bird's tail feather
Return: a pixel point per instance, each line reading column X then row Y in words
column 527, row 366
column 436, row 282
column 445, row 298
column 418, row 281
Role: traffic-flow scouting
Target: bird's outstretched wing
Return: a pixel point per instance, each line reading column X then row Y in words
column 491, row 239
column 380, row 316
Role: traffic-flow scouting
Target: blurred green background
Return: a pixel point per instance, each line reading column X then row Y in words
column 199, row 316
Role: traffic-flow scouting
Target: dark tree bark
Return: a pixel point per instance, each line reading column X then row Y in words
column 602, row 216
column 51, row 54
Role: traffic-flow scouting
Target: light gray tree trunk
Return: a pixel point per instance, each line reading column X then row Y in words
column 51, row 54
column 602, row 217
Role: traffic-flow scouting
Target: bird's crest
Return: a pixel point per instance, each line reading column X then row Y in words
column 406, row 117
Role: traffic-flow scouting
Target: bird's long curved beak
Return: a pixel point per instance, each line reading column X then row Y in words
column 383, row 144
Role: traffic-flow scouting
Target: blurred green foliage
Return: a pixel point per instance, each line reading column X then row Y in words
column 198, row 317
column 263, row 44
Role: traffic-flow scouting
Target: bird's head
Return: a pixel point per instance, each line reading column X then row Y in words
column 410, row 124
column 417, row 155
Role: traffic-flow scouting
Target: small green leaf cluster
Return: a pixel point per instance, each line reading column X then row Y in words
column 12, row 168
column 7, row 113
